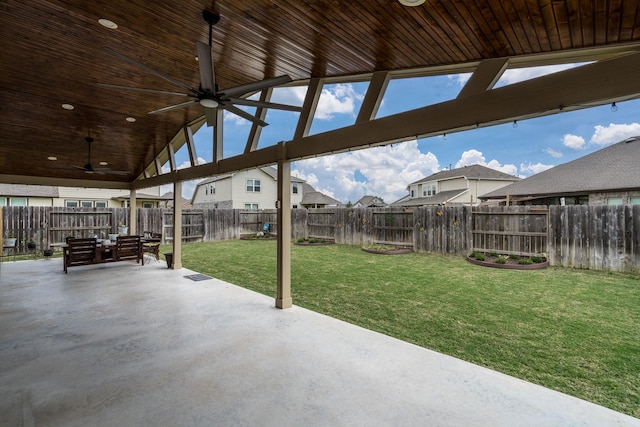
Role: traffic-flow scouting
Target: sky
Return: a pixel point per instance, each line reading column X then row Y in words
column 527, row 148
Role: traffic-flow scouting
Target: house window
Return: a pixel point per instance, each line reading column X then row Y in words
column 147, row 205
column 253, row 185
column 413, row 193
column 18, row 201
column 431, row 190
column 614, row 201
column 251, row 206
column 71, row 203
column 212, row 188
column 3, row 201
column 294, row 187
column 101, row 204
column 86, row 204
column 295, row 206
column 634, row 201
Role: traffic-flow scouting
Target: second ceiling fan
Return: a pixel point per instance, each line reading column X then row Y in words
column 208, row 94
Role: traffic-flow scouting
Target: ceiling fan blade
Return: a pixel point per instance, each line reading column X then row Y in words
column 210, row 114
column 164, row 92
column 256, row 86
column 237, row 111
column 149, row 69
column 264, row 104
column 175, row 107
column 205, row 64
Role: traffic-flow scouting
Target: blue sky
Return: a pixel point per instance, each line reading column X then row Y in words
column 531, row 147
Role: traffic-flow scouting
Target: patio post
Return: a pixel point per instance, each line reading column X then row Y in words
column 132, row 212
column 177, row 225
column 283, row 295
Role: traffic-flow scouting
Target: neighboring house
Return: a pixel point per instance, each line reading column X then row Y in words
column 72, row 197
column 250, row 189
column 610, row 176
column 27, row 195
column 168, row 201
column 455, row 186
column 312, row 199
column 370, row 202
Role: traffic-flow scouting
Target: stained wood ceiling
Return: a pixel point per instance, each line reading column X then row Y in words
column 54, row 53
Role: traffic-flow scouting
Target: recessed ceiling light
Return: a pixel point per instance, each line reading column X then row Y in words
column 411, row 3
column 130, row 119
column 104, row 163
column 68, row 106
column 52, row 158
column 107, row 23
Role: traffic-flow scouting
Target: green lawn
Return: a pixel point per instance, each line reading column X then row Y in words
column 575, row 331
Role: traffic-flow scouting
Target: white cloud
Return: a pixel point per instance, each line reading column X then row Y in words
column 460, row 79
column 380, row 171
column 607, row 135
column 336, row 99
column 475, row 157
column 188, row 187
column 574, row 141
column 552, row 152
column 532, row 169
column 521, row 74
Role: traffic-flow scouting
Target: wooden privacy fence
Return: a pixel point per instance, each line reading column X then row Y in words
column 519, row 230
column 595, row 237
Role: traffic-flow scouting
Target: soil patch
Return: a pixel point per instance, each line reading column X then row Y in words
column 512, row 263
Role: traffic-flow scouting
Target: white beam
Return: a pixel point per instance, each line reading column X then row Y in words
column 484, row 77
column 133, row 220
column 373, row 98
column 314, row 89
column 283, row 293
column 177, row 226
column 256, row 129
column 191, row 146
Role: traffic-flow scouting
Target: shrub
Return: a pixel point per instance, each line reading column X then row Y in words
column 501, row 260
column 512, row 256
column 537, row 259
column 525, row 261
column 301, row 239
column 479, row 256
column 312, row 240
column 493, row 254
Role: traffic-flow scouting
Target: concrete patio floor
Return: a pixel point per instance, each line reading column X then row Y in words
column 130, row 345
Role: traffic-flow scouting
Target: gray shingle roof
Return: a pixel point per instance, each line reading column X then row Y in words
column 312, row 197
column 616, row 167
column 437, row 199
column 22, row 190
column 469, row 172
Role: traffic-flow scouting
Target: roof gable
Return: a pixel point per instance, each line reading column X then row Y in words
column 468, row 172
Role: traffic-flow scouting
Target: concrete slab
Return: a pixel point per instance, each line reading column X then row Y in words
column 129, row 345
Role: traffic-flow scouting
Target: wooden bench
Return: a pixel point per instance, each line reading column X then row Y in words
column 88, row 252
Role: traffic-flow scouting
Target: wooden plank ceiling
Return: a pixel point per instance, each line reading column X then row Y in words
column 54, row 53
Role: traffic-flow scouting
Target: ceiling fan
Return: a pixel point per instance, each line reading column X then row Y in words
column 208, row 94
column 88, row 168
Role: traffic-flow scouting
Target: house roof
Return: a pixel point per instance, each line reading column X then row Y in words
column 269, row 170
column 370, row 201
column 312, row 197
column 469, row 172
column 143, row 196
column 437, row 199
column 21, row 190
column 615, row 167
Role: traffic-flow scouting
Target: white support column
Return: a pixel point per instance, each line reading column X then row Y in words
column 283, row 295
column 133, row 212
column 177, row 225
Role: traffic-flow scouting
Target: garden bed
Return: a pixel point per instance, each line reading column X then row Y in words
column 387, row 249
column 512, row 262
column 314, row 241
column 258, row 236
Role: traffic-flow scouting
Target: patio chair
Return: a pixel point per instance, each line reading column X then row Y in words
column 128, row 248
column 151, row 244
column 79, row 252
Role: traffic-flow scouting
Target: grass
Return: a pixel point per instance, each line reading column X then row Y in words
column 575, row 331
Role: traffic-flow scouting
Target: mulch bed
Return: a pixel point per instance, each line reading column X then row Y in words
column 395, row 251
column 510, row 264
column 254, row 237
column 318, row 243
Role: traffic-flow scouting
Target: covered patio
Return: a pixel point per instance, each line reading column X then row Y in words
column 126, row 344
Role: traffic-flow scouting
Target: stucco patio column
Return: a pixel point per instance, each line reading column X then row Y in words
column 283, row 295
column 177, row 225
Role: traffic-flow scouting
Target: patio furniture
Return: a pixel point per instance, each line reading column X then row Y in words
column 9, row 245
column 89, row 251
column 151, row 244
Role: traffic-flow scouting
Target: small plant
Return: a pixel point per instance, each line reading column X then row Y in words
column 501, row 260
column 301, row 240
column 312, row 240
column 494, row 254
column 525, row 261
column 512, row 256
column 479, row 256
column 537, row 259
